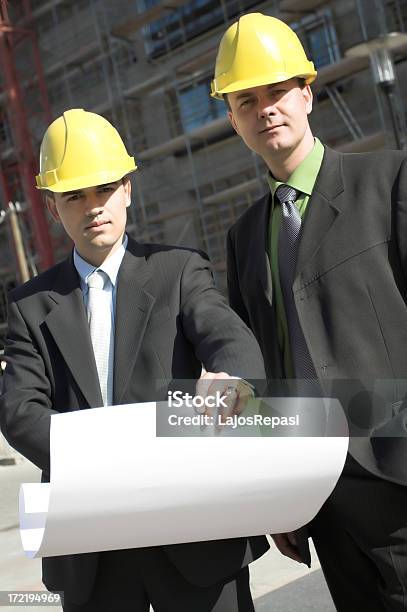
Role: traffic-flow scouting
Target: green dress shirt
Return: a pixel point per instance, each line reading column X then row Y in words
column 303, row 179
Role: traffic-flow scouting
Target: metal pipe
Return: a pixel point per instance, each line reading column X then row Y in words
column 396, row 117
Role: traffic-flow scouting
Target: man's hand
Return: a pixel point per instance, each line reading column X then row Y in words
column 234, row 391
column 287, row 545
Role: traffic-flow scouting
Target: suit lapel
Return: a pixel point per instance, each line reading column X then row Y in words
column 133, row 309
column 322, row 212
column 68, row 325
column 259, row 246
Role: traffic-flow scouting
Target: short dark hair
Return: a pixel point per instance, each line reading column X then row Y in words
column 51, row 194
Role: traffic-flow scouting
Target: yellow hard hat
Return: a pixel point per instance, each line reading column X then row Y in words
column 258, row 50
column 79, row 150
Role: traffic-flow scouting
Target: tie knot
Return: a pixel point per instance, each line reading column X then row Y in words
column 97, row 279
column 285, row 194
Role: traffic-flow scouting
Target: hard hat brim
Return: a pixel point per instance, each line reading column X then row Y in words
column 83, row 182
column 259, row 81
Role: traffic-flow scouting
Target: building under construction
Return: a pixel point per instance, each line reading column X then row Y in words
column 146, row 65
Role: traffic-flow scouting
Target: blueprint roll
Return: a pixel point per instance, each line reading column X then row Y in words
column 127, row 487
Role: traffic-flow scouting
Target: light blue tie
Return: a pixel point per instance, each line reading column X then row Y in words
column 101, row 331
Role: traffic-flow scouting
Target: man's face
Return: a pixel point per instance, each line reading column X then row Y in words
column 271, row 119
column 94, row 218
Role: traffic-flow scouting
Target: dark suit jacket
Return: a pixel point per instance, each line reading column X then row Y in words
column 350, row 291
column 169, row 320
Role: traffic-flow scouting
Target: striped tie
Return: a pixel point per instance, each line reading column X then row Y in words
column 101, row 332
column 288, row 243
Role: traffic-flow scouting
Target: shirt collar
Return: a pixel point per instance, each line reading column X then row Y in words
column 304, row 176
column 110, row 266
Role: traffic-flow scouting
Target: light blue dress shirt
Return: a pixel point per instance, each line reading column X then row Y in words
column 110, row 266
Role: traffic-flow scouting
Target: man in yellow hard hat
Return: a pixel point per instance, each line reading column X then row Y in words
column 101, row 328
column 318, row 269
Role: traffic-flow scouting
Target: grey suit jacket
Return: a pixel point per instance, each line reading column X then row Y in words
column 169, row 320
column 350, row 291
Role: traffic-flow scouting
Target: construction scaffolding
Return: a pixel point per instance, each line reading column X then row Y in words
column 146, row 66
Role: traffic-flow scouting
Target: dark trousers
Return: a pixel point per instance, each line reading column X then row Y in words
column 131, row 580
column 360, row 536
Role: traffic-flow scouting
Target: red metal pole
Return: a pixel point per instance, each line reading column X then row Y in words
column 22, row 138
column 4, row 185
column 38, row 66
